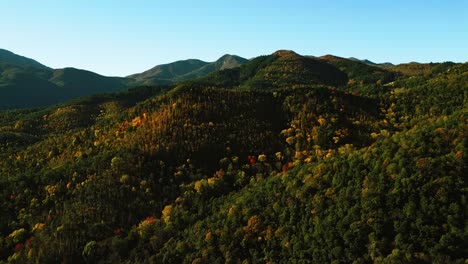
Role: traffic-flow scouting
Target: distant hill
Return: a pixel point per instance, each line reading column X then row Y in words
column 185, row 70
column 81, row 82
column 363, row 71
column 12, row 58
column 225, row 62
column 165, row 73
column 24, row 83
column 368, row 62
column 420, row 69
column 290, row 67
column 22, row 87
column 280, row 69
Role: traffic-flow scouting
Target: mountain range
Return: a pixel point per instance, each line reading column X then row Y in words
column 26, row 83
column 283, row 159
column 185, row 70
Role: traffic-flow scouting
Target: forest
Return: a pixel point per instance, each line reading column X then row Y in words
column 285, row 159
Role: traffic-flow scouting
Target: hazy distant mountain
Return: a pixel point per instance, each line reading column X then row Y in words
column 81, row 82
column 229, row 61
column 26, row 83
column 165, row 73
column 225, row 62
column 22, row 87
column 12, row 58
column 185, row 70
column 368, row 62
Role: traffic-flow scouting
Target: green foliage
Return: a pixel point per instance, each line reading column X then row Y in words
column 235, row 167
column 280, row 70
column 361, row 73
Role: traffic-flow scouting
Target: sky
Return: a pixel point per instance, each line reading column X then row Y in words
column 122, row 37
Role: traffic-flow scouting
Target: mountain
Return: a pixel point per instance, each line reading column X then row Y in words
column 280, row 69
column 185, row 70
column 292, row 68
column 286, row 159
column 14, row 59
column 25, row 83
column 225, row 62
column 78, row 82
column 422, row 69
column 166, row 73
column 24, row 87
column 368, row 62
column 386, row 64
column 229, row 61
column 361, row 71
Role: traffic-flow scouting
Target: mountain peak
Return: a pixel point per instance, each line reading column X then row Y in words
column 229, row 61
column 366, row 61
column 330, row 57
column 226, row 57
column 284, row 68
column 285, row 53
column 15, row 59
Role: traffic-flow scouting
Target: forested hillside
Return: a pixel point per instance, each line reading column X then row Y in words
column 286, row 159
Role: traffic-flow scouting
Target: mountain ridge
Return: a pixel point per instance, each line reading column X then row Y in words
column 15, row 59
column 22, row 78
column 284, row 67
column 185, row 70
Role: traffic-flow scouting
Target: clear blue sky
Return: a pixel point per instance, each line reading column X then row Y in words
column 113, row 37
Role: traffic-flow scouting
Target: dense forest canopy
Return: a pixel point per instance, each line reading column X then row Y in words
column 285, row 159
